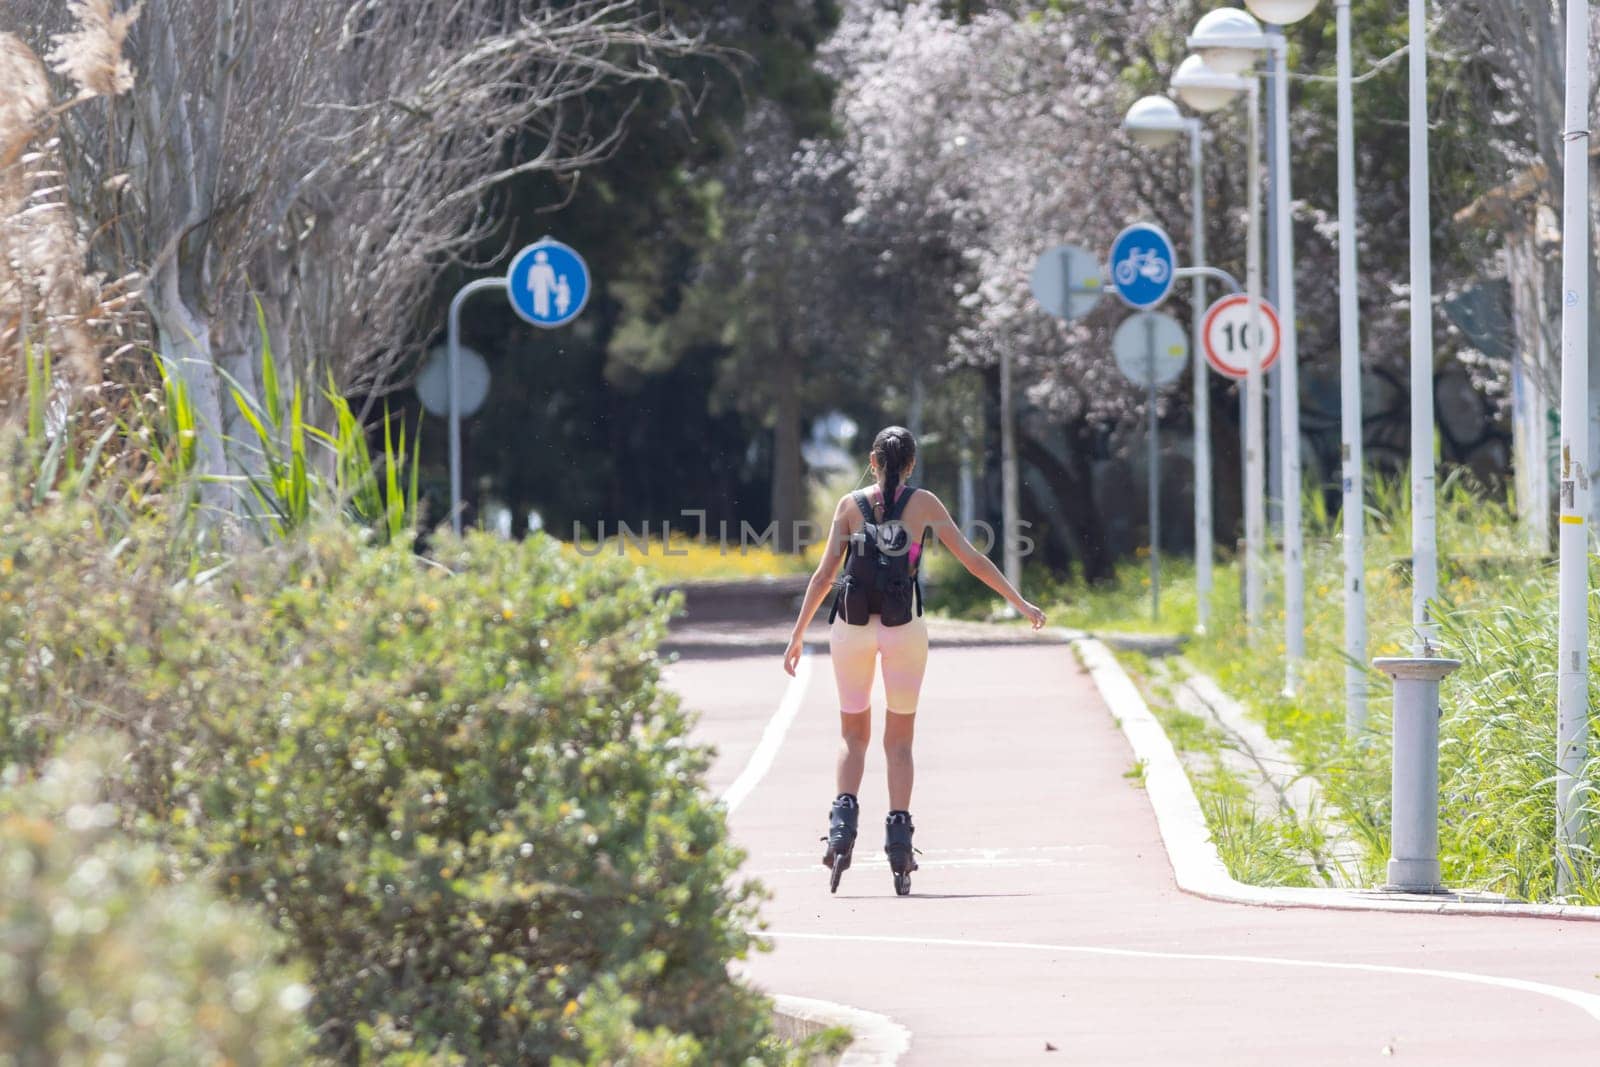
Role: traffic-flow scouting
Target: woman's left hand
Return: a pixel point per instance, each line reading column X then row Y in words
column 791, row 657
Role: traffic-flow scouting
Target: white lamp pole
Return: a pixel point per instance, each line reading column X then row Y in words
column 1424, row 541
column 1206, row 89
column 1231, row 39
column 1354, row 509
column 1203, row 548
column 1572, row 697
column 1294, row 592
column 1255, row 521
column 1155, row 122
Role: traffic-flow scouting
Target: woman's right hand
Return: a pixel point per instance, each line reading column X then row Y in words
column 1032, row 613
column 791, row 655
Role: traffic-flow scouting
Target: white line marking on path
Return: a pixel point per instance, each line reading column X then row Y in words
column 771, row 738
column 933, row 859
column 1589, row 1002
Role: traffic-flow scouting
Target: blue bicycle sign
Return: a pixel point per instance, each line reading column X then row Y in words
column 1143, row 263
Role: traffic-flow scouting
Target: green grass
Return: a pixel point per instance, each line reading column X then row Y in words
column 1120, row 606
column 1258, row 848
column 1497, row 610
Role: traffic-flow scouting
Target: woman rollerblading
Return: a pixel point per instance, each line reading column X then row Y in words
column 872, row 560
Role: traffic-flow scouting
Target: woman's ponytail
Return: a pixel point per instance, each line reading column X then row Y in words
column 894, row 448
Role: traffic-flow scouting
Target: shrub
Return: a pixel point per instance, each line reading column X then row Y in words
column 455, row 784
column 463, row 792
column 104, row 960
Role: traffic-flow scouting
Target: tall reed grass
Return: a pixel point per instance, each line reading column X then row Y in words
column 1496, row 608
column 294, row 470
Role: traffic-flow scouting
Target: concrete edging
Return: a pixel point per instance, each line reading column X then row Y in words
column 1196, row 865
column 878, row 1039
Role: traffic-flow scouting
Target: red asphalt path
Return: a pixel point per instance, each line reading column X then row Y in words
column 1045, row 912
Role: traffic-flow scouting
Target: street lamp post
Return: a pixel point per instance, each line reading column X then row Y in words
column 1424, row 542
column 1354, row 503
column 1572, row 697
column 1155, row 122
column 1206, row 90
column 1230, row 41
column 1285, row 13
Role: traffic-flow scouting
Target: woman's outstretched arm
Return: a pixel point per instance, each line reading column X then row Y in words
column 981, row 566
column 821, row 581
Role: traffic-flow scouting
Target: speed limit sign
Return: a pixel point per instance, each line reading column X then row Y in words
column 1228, row 331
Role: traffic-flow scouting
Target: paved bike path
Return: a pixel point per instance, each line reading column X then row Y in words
column 1044, row 925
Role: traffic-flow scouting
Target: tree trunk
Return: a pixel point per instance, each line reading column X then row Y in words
column 787, row 503
column 184, row 339
column 236, row 347
column 1530, row 394
column 1072, row 484
column 989, row 493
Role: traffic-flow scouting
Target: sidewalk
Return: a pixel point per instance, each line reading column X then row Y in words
column 1045, row 914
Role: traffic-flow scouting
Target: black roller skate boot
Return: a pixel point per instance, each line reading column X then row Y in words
column 897, row 831
column 841, row 839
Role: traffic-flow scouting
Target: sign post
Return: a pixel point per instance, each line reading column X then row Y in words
column 1151, row 350
column 548, row 285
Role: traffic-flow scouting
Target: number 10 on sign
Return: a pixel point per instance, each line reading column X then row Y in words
column 1227, row 325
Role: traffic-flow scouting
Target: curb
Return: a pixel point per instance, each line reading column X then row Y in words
column 879, row 1040
column 1196, row 865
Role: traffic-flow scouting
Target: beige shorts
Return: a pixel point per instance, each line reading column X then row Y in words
column 856, row 649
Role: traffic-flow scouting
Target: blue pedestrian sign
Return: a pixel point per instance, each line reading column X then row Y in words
column 548, row 283
column 1143, row 265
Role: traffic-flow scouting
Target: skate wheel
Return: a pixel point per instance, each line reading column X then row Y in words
column 902, row 884
column 839, row 864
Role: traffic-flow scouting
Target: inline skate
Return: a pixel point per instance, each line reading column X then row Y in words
column 897, row 831
column 841, row 837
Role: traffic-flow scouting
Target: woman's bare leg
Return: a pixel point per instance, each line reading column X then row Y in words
column 898, row 731
column 855, row 733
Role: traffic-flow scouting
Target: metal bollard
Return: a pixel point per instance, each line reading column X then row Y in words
column 1414, row 789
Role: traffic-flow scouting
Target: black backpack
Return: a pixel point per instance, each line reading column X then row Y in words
column 878, row 576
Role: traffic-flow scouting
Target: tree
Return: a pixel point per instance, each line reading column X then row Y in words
column 324, row 161
column 1513, row 93
column 784, row 291
column 633, row 395
column 999, row 131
